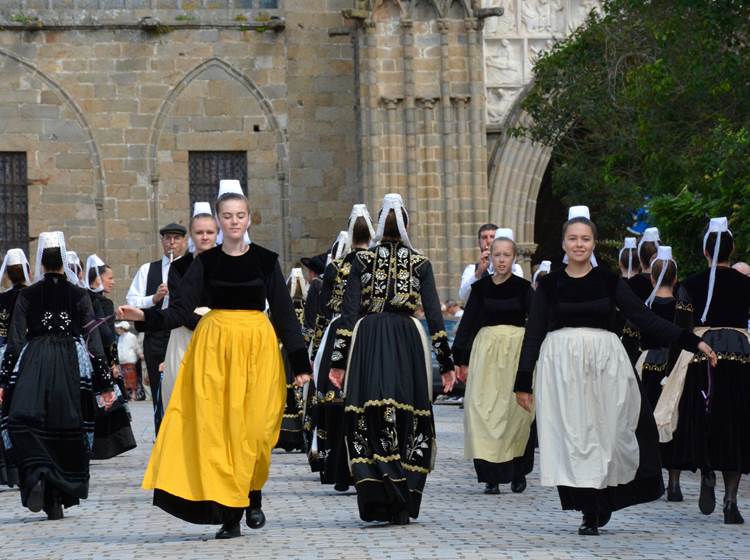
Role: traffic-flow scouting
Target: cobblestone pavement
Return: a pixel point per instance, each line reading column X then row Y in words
column 307, row 520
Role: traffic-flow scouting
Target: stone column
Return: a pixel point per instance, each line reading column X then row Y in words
column 476, row 120
column 429, row 172
column 412, row 158
column 375, row 126
column 466, row 207
column 394, row 155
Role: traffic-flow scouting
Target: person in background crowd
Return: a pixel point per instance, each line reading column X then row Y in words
column 150, row 290
column 477, row 270
column 453, row 310
column 129, row 354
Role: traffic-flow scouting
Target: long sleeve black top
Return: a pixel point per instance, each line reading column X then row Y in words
column 641, row 285
column 391, row 278
column 53, row 306
column 177, row 270
column 221, row 281
column 7, row 303
column 312, row 304
column 730, row 304
column 590, row 301
column 491, row 304
column 104, row 308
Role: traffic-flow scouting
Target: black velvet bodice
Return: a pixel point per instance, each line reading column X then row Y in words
column 730, row 305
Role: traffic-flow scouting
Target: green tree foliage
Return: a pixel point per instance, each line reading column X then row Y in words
column 648, row 102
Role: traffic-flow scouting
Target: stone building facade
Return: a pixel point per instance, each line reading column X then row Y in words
column 123, row 111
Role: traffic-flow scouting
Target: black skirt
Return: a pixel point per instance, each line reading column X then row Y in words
column 201, row 513
column 714, row 433
column 509, row 471
column 389, row 424
column 49, row 414
column 291, row 437
column 112, row 432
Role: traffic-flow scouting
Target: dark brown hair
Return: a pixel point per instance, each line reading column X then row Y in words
column 581, row 220
column 95, row 271
column 635, row 263
column 726, row 245
column 647, row 252
column 390, row 231
column 52, row 259
column 486, row 227
column 670, row 272
column 360, row 231
column 15, row 274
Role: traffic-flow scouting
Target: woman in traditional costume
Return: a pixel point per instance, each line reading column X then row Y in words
column 16, row 267
column 544, row 268
column 203, row 231
column 113, row 434
column 597, row 436
column 385, row 358
column 48, row 378
column 330, row 443
column 657, row 360
column 213, row 452
column 713, row 420
column 497, row 431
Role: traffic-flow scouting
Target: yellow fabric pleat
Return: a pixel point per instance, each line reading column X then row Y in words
column 225, row 412
column 496, row 428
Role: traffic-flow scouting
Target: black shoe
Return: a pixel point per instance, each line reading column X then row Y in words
column 255, row 518
column 707, row 499
column 674, row 492
column 732, row 515
column 491, row 488
column 603, row 518
column 35, row 500
column 518, row 486
column 401, row 518
column 229, row 531
column 340, row 487
column 589, row 526
column 54, row 512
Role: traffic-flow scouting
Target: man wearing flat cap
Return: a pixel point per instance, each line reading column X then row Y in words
column 149, row 289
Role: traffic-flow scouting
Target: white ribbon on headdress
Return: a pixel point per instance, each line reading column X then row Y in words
column 717, row 226
column 544, row 266
column 663, row 253
column 297, row 278
column 649, row 234
column 93, row 262
column 15, row 257
column 360, row 211
column 343, row 245
column 393, row 201
column 580, row 212
column 230, row 186
column 199, row 208
column 50, row 240
column 629, row 245
column 503, row 233
column 72, row 260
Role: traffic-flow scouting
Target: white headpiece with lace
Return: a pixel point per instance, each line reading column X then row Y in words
column 93, row 263
column 544, row 266
column 14, row 257
column 629, row 246
column 663, row 253
column 296, row 278
column 393, row 201
column 51, row 240
column 717, row 226
column 360, row 211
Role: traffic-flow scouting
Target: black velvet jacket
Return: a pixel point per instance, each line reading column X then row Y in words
column 7, row 302
column 390, row 278
column 221, row 281
column 591, row 301
column 730, row 304
column 491, row 304
column 53, row 306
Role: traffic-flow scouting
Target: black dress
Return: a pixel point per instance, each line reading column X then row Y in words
column 50, row 381
column 490, row 305
column 8, row 468
column 389, row 425
column 112, row 434
column 590, row 303
column 631, row 336
column 713, row 430
column 334, row 463
column 291, row 437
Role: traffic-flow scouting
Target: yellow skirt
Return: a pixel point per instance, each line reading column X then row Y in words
column 225, row 412
column 496, row 428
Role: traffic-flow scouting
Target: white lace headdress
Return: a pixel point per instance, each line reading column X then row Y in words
column 663, row 253
column 50, row 240
column 393, row 201
column 15, row 257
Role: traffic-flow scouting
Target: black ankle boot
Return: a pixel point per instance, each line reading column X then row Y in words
column 54, row 511
column 35, row 499
column 674, row 492
column 732, row 515
column 254, row 516
column 589, row 525
column 491, row 488
column 707, row 499
column 229, row 531
column 518, row 486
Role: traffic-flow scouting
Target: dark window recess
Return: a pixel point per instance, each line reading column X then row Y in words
column 208, row 168
column 14, row 202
